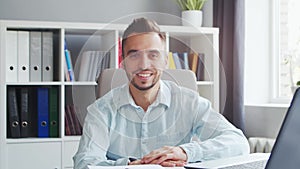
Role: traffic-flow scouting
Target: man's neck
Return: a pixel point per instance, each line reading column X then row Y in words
column 144, row 98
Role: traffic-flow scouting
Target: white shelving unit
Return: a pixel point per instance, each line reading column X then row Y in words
column 57, row 153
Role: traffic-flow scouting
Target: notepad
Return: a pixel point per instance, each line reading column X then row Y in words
column 148, row 166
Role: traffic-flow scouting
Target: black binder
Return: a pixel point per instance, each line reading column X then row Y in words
column 32, row 112
column 23, row 107
column 13, row 116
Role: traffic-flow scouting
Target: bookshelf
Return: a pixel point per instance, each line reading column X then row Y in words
column 57, row 151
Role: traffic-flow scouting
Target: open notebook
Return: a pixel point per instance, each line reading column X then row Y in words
column 285, row 153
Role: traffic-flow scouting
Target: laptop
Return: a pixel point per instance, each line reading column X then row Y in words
column 285, row 153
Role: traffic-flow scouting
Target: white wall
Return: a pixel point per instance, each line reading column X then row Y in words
column 83, row 11
column 263, row 121
column 103, row 11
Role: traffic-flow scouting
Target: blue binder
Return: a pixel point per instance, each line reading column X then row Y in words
column 43, row 112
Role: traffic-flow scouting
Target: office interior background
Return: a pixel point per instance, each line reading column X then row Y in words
column 263, row 118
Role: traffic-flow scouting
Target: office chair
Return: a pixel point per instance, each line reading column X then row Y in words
column 112, row 78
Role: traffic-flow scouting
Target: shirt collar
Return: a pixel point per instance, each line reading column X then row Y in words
column 124, row 97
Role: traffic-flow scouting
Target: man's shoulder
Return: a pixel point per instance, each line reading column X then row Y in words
column 175, row 88
column 183, row 92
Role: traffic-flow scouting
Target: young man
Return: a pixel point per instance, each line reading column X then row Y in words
column 151, row 120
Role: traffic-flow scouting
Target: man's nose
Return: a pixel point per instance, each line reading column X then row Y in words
column 144, row 61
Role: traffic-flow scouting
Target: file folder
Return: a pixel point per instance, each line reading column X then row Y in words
column 47, row 56
column 11, row 56
column 35, row 56
column 201, row 67
column 53, row 112
column 171, row 61
column 69, row 63
column 193, row 61
column 23, row 56
column 32, row 111
column 185, row 60
column 13, row 115
column 177, row 60
column 24, row 116
column 43, row 112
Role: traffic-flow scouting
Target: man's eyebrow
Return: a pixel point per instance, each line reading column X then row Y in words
column 153, row 50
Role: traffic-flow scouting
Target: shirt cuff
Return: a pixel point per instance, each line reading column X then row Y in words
column 122, row 161
column 191, row 151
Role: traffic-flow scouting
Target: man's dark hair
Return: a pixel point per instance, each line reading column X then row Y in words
column 141, row 25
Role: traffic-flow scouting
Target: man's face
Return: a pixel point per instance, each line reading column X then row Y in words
column 144, row 60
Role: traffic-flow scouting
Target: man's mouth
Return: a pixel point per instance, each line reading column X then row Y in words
column 144, row 75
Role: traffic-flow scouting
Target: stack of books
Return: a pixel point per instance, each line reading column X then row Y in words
column 72, row 124
column 191, row 61
column 91, row 64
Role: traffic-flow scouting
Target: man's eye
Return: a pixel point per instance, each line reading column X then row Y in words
column 133, row 55
column 154, row 54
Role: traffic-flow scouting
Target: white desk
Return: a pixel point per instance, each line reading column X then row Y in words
column 224, row 162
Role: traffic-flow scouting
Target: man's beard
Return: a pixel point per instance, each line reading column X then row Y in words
column 154, row 81
column 142, row 88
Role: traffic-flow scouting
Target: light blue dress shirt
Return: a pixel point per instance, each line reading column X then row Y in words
column 116, row 128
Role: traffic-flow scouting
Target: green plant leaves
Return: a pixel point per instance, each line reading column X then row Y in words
column 191, row 4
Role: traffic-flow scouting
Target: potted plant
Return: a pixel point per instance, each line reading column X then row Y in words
column 191, row 14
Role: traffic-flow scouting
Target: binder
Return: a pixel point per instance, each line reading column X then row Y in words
column 53, row 112
column 120, row 52
column 69, row 63
column 200, row 68
column 13, row 114
column 67, row 77
column 23, row 56
column 193, row 61
column 24, row 116
column 11, row 56
column 47, row 56
column 32, row 112
column 43, row 112
column 177, row 60
column 185, row 60
column 171, row 61
column 35, row 57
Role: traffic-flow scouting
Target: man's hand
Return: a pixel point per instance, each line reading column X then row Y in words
column 167, row 156
column 136, row 162
column 168, row 163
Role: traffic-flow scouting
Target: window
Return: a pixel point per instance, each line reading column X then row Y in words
column 286, row 45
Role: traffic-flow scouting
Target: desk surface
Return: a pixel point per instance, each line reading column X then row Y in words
column 224, row 162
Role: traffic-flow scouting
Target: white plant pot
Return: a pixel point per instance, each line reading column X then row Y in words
column 191, row 18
